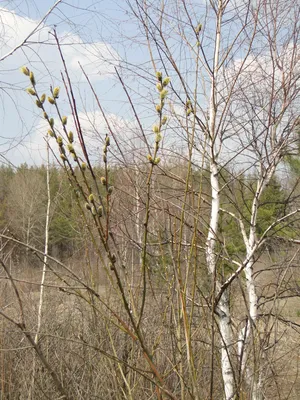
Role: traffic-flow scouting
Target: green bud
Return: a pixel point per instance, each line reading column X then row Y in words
column 103, row 180
column 70, row 148
column 50, row 133
column 32, row 79
column 188, row 112
column 149, row 158
column 110, row 189
column 59, row 141
column 104, row 149
column 164, row 120
column 71, row 137
column 39, row 104
column 158, row 108
column 64, row 120
column 159, row 75
column 83, row 166
column 51, row 122
column 107, row 141
column 45, row 115
column 158, row 137
column 63, row 157
column 100, row 211
column 91, row 197
column 159, row 87
column 93, row 209
column 31, row 91
column 198, row 28
column 56, row 92
column 163, row 94
column 156, row 161
column 155, row 128
column 51, row 100
column 25, row 71
column 43, row 98
column 166, row 81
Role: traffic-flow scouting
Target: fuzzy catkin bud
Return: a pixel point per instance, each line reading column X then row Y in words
column 32, row 78
column 158, row 108
column 87, row 206
column 45, row 115
column 149, row 158
column 51, row 100
column 107, row 141
column 158, row 137
column 43, row 98
column 159, row 87
column 164, row 120
column 50, row 133
column 158, row 75
column 71, row 137
column 59, row 141
column 156, row 161
column 70, row 148
column 155, row 128
column 64, row 120
column 166, row 81
column 63, row 157
column 83, row 166
column 198, row 28
column 39, row 104
column 110, row 190
column 56, row 92
column 91, row 197
column 51, row 122
column 100, row 211
column 103, row 180
column 25, row 71
column 31, row 91
column 163, row 94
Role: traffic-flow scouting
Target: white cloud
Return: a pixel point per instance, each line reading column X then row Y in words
column 97, row 58
column 94, row 129
column 20, row 141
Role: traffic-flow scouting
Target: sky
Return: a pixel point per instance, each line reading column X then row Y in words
column 90, row 32
column 102, row 36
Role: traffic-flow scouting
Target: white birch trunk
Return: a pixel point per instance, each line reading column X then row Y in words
column 253, row 378
column 223, row 309
column 42, row 287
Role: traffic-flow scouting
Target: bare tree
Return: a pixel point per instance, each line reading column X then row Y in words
column 181, row 222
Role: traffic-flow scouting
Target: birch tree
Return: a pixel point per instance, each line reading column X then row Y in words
column 242, row 90
column 181, row 224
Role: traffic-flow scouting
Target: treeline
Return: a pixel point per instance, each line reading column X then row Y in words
column 23, row 202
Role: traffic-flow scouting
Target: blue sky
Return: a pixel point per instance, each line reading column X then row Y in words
column 101, row 35
column 91, row 32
